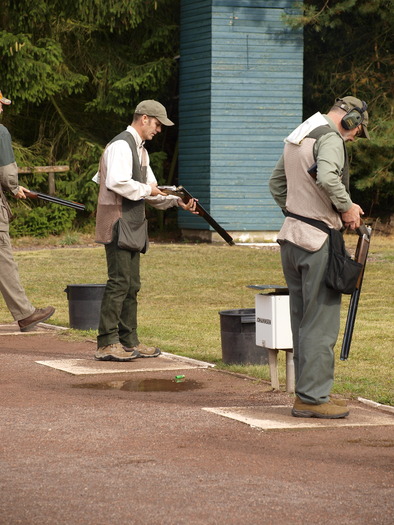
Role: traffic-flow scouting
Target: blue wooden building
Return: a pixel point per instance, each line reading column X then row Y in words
column 241, row 71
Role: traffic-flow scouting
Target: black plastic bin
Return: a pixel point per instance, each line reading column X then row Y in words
column 238, row 335
column 84, row 303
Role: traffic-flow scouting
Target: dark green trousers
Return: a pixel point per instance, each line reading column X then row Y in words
column 315, row 321
column 118, row 315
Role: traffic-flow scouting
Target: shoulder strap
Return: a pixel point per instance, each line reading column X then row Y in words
column 313, row 222
column 320, row 131
column 316, row 134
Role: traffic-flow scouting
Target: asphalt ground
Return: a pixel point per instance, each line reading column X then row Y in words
column 88, row 442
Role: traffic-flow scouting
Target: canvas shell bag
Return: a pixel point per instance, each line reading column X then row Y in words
column 133, row 236
column 342, row 271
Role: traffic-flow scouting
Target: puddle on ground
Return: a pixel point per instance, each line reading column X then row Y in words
column 146, row 385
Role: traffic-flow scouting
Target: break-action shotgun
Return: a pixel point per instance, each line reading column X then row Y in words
column 182, row 192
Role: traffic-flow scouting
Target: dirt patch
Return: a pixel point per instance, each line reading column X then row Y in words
column 77, row 454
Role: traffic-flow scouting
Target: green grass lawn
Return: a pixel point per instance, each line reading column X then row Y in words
column 185, row 286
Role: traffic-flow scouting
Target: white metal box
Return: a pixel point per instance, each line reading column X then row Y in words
column 273, row 328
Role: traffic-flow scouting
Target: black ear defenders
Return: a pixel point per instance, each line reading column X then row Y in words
column 354, row 116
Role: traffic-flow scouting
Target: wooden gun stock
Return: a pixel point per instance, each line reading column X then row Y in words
column 361, row 255
column 181, row 192
column 50, row 198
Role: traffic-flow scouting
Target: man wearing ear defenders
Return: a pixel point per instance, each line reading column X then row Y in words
column 311, row 180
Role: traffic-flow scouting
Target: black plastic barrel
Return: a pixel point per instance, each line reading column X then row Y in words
column 84, row 303
column 238, row 336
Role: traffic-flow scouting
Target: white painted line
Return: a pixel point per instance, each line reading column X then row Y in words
column 369, row 402
column 40, row 328
column 279, row 417
column 257, row 244
column 53, row 326
column 189, row 360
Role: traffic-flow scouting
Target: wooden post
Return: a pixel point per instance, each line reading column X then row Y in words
column 290, row 377
column 51, row 170
column 51, row 183
column 273, row 364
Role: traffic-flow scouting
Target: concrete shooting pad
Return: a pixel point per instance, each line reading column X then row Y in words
column 165, row 361
column 278, row 417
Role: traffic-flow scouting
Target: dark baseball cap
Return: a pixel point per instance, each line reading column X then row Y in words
column 4, row 100
column 349, row 103
column 152, row 108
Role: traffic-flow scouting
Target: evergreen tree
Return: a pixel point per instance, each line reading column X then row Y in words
column 75, row 70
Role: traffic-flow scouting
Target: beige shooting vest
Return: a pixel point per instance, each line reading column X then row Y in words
column 305, row 198
column 120, row 217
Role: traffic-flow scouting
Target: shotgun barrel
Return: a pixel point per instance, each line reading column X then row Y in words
column 182, row 192
column 361, row 255
column 50, row 198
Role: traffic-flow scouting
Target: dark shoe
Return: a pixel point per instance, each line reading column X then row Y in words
column 114, row 352
column 38, row 316
column 328, row 410
column 143, row 350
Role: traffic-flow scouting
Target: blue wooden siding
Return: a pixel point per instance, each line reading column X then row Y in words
column 241, row 73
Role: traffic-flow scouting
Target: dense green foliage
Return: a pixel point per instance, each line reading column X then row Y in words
column 75, row 69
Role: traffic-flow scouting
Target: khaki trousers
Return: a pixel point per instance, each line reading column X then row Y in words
column 315, row 321
column 10, row 286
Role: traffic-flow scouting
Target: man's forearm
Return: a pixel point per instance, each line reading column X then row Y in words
column 331, row 184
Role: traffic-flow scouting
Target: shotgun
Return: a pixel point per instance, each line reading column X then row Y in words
column 364, row 233
column 182, row 192
column 50, row 198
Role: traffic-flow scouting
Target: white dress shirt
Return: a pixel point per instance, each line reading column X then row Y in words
column 118, row 159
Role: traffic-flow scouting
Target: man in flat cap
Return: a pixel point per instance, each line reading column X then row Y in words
column 322, row 194
column 126, row 183
column 10, row 286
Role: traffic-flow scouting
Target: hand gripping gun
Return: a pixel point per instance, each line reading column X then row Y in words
column 182, row 192
column 361, row 255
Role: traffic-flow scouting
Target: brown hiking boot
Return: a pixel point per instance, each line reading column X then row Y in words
column 143, row 350
column 38, row 316
column 339, row 402
column 328, row 410
column 114, row 352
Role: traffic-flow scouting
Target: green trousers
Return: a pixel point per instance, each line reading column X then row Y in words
column 315, row 321
column 118, row 315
